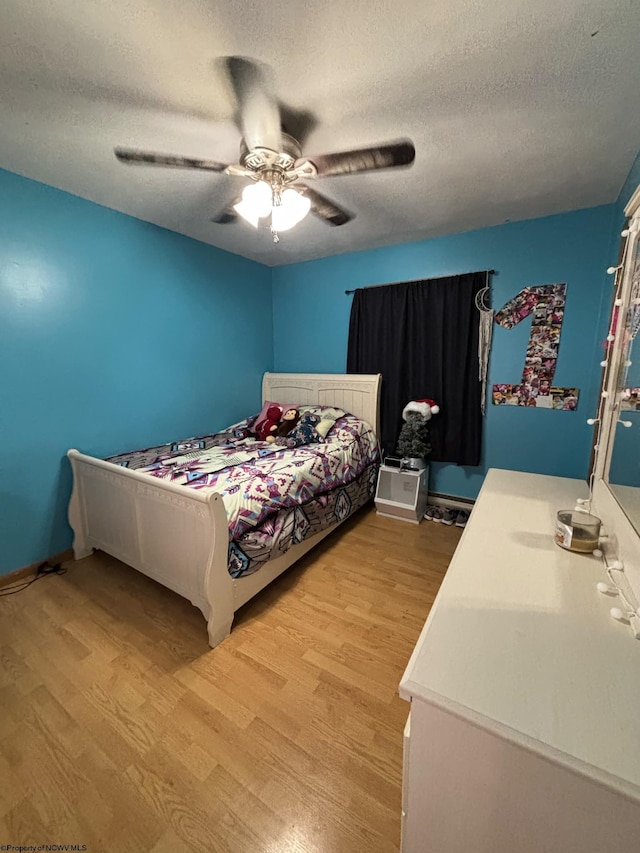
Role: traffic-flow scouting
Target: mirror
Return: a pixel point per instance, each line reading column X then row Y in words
column 624, row 447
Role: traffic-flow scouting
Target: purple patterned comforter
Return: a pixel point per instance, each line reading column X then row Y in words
column 257, row 480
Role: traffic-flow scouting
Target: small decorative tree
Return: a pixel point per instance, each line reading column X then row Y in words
column 414, row 440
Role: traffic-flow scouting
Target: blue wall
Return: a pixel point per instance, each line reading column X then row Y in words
column 114, row 334
column 311, row 317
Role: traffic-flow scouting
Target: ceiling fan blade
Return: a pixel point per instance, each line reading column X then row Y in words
column 225, row 217
column 364, row 159
column 324, row 208
column 258, row 108
column 149, row 158
column 297, row 123
column 228, row 214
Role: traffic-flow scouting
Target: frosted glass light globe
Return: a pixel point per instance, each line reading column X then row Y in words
column 256, row 202
column 293, row 209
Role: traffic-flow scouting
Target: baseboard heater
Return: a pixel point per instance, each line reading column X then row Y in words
column 452, row 501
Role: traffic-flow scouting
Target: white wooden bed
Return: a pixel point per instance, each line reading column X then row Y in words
column 178, row 536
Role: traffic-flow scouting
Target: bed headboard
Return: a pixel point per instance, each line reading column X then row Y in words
column 353, row 392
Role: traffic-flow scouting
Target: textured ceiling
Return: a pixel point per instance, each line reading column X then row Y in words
column 517, row 108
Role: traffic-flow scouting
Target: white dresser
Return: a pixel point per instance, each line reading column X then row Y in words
column 524, row 731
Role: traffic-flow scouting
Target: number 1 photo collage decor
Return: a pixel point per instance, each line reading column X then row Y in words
column 536, row 388
column 630, row 401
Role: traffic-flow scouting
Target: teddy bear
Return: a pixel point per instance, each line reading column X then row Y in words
column 266, row 429
column 290, row 418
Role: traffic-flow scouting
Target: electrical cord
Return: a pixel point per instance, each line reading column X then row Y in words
column 42, row 571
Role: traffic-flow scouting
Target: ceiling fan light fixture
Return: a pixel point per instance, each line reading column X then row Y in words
column 271, row 160
column 292, row 209
column 261, row 200
column 256, row 202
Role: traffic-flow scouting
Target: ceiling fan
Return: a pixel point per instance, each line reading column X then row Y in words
column 272, row 159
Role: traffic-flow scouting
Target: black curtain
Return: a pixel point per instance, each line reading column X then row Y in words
column 422, row 336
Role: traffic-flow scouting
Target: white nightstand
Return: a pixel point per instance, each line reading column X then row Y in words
column 402, row 493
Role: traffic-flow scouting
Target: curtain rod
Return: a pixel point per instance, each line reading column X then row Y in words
column 390, row 283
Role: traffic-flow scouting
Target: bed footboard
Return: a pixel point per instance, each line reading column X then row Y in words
column 177, row 536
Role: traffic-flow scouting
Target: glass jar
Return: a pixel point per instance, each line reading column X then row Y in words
column 577, row 531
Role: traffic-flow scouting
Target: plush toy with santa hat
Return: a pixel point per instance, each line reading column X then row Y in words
column 414, row 441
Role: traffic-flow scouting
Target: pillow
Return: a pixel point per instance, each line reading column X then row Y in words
column 324, row 426
column 304, row 432
column 325, row 411
column 328, row 416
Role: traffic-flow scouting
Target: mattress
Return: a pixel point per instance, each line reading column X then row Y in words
column 274, row 496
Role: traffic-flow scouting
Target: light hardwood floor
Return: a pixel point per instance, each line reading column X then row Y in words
column 120, row 729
